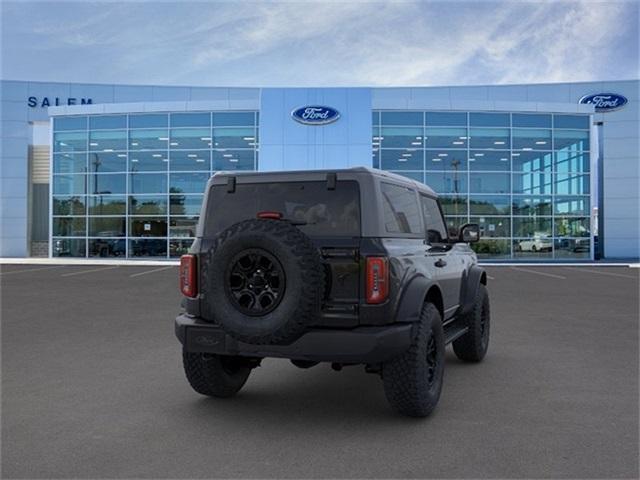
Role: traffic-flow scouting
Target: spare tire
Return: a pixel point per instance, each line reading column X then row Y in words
column 263, row 281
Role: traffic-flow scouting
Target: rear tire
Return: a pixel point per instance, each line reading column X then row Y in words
column 473, row 345
column 413, row 380
column 215, row 375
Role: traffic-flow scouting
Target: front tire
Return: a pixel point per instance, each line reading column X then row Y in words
column 413, row 380
column 215, row 375
column 473, row 345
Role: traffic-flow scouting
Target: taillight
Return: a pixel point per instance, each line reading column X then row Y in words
column 188, row 285
column 270, row 215
column 377, row 279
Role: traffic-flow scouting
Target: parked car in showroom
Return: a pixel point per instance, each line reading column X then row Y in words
column 538, row 243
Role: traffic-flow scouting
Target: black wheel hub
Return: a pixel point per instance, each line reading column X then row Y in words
column 255, row 282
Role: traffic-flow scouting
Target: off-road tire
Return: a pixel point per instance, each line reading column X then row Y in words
column 215, row 375
column 304, row 283
column 473, row 345
column 406, row 377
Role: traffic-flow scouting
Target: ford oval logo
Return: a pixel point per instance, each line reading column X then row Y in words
column 315, row 115
column 604, row 102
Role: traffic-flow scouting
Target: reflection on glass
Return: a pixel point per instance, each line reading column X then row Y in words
column 541, row 120
column 233, row 119
column 178, row 247
column 401, row 137
column 572, row 227
column 69, row 163
column 534, row 183
column 402, row 159
column 439, row 137
column 105, row 183
column 69, row 123
column 107, row 226
column 188, row 182
column 183, row 226
column 150, row 161
column 234, row 138
column 150, row 139
column 537, row 246
column 572, row 162
column 107, row 205
column 402, row 118
column 488, row 119
column 572, row 205
column 74, row 205
column 148, row 120
column 490, row 204
column 493, row 226
column 147, row 183
column 571, row 121
column 531, row 139
column 107, row 247
column 233, row 160
column 190, row 138
column 445, row 159
column 148, row 247
column 147, row 205
column 453, row 205
column 190, row 119
column 107, row 141
column 571, row 140
column 531, row 206
column 488, row 160
column 446, row 119
column 190, row 160
column 68, row 247
column 490, row 138
column 572, row 184
column 531, row 161
column 107, row 122
column 489, row 182
column 101, row 162
column 447, row 182
column 70, row 142
column 69, row 226
column 147, row 226
column 69, row 184
column 491, row 248
column 573, row 248
column 531, row 227
column 185, row 204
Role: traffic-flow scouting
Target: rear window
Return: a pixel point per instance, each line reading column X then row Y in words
column 321, row 212
column 401, row 210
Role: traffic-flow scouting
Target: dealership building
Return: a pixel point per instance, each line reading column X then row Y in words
column 549, row 171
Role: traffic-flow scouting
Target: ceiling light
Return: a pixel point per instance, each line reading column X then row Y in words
column 173, row 144
column 134, row 144
column 134, row 160
column 233, row 160
column 245, row 138
column 227, row 155
column 121, row 155
column 108, row 150
column 443, row 154
column 418, row 138
column 527, row 149
column 406, row 154
column 436, row 159
column 205, row 139
column 498, row 143
column 165, row 159
column 504, row 159
column 416, row 143
column 515, row 154
column 479, row 154
column 164, row 139
column 377, row 138
column 93, row 144
column 472, row 159
column 192, row 155
column 541, row 142
column 458, row 143
column 157, row 155
column 402, row 159
column 200, row 160
column 463, row 138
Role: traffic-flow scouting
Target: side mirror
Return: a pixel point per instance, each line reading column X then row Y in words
column 469, row 233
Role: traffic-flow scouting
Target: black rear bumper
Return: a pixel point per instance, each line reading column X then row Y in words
column 357, row 345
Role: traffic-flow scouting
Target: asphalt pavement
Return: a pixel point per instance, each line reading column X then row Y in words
column 93, row 387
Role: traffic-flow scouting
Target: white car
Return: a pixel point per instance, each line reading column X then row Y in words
column 535, row 244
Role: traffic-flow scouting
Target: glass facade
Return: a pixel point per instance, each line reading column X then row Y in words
column 523, row 177
column 131, row 185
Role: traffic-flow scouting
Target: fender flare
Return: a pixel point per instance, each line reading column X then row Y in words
column 472, row 279
column 412, row 299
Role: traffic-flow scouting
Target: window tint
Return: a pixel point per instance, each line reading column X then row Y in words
column 434, row 224
column 401, row 211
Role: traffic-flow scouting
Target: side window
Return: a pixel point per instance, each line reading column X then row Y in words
column 434, row 223
column 401, row 210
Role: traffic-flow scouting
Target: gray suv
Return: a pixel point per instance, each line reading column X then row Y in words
column 348, row 266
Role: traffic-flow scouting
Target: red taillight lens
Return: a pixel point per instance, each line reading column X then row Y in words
column 271, row 215
column 188, row 285
column 377, row 279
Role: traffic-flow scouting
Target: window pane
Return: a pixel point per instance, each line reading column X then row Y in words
column 531, row 206
column 445, row 159
column 233, row 119
column 147, row 226
column 493, row 226
column 572, row 227
column 234, row 137
column 572, row 205
column 70, row 142
column 148, row 205
column 157, row 139
column 185, row 204
column 188, row 182
column 107, row 247
column 183, row 226
column 107, row 205
column 69, row 163
column 489, row 119
column 68, row 205
column 536, row 183
column 437, row 137
column 190, row 119
column 416, row 176
column 401, row 137
column 107, row 227
column 69, row 184
column 538, row 246
column 195, row 138
column 572, row 184
column 148, row 161
column 489, row 182
column 572, row 140
column 108, row 140
column 573, row 247
column 531, row 161
column 436, row 230
column 531, row 120
column 179, row 247
column 69, row 123
column 233, row 160
column 447, row 182
column 402, row 159
column 489, row 248
column 446, row 119
column 146, row 121
column 571, row 121
column 493, row 138
column 67, row 247
column 572, row 162
column 101, row 162
column 148, row 248
column 489, row 161
column 107, row 122
column 401, row 211
column 69, row 226
column 107, row 183
column 490, row 204
column 531, row 139
column 454, row 205
column 531, row 227
column 189, row 160
column 402, row 118
column 148, row 183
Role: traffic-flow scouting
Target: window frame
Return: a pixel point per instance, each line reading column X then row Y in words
column 447, row 238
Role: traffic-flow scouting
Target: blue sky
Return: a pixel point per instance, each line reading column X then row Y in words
column 320, row 43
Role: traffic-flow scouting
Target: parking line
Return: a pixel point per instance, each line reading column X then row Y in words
column 150, row 271
column 600, row 273
column 31, row 270
column 539, row 273
column 89, row 271
column 490, row 277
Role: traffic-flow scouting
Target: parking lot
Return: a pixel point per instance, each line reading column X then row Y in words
column 92, row 387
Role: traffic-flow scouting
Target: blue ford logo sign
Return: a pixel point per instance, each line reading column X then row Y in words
column 315, row 115
column 604, row 102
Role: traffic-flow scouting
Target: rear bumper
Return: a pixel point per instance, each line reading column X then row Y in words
column 357, row 345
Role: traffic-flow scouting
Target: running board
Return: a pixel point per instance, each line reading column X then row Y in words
column 453, row 332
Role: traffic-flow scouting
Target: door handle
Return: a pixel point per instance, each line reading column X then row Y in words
column 440, row 263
